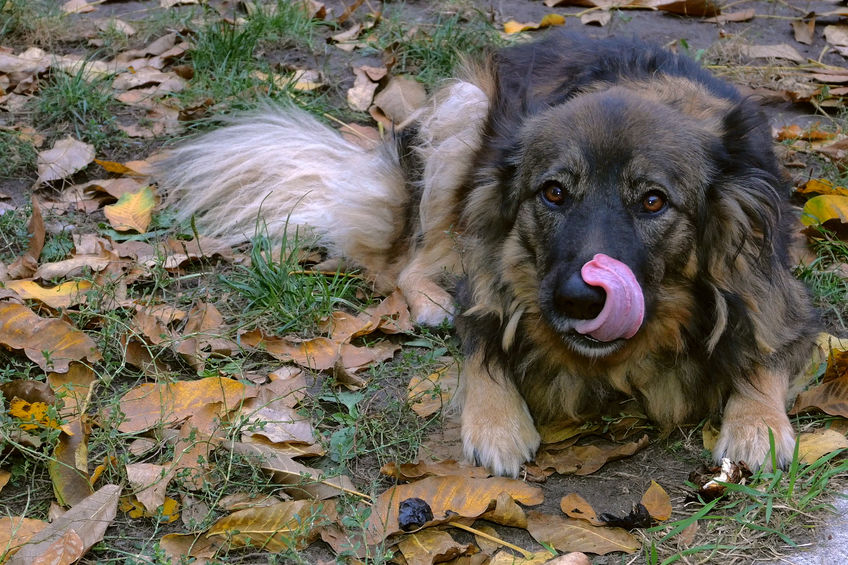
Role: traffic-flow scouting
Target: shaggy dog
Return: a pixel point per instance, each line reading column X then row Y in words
column 601, row 219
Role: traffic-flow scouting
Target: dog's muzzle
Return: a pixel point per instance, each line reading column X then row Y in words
column 605, row 299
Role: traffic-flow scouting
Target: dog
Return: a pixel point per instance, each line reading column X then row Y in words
column 600, row 218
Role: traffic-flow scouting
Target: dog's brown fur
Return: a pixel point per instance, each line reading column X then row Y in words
column 459, row 199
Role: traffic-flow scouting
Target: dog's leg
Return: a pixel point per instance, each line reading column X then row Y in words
column 497, row 429
column 754, row 408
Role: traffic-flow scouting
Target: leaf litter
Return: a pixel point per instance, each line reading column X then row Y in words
column 191, row 417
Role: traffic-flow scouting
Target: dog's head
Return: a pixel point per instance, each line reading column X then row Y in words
column 615, row 196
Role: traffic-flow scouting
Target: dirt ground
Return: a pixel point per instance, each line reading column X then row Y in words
column 669, row 460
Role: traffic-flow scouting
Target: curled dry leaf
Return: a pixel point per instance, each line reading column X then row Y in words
column 68, row 468
column 506, row 513
column 279, row 527
column 568, row 534
column 25, row 265
column 51, row 343
column 432, row 546
column 89, row 519
column 66, row 157
column 448, row 497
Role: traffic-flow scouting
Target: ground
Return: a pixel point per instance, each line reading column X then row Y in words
column 231, row 295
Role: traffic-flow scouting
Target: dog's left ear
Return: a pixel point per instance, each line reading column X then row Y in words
column 742, row 245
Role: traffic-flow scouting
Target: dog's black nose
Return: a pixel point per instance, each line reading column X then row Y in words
column 578, row 300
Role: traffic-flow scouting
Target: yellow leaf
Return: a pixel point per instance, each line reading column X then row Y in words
column 52, row 343
column 657, row 502
column 575, row 506
column 821, row 186
column 428, row 545
column 132, row 211
column 548, row 20
column 818, row 444
column 820, row 209
column 33, row 415
column 64, row 295
column 279, row 527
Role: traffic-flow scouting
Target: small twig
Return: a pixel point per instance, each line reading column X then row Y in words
column 366, row 498
column 524, row 552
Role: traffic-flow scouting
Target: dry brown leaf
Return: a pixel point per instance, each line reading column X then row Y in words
column 413, row 471
column 831, row 397
column 75, row 267
column 16, row 531
column 196, row 548
column 49, row 342
column 815, row 445
column 586, row 459
column 575, row 506
column 600, row 18
column 77, row 7
column 279, row 527
column 64, row 295
column 448, row 497
column 69, row 466
column 432, row 546
column 573, row 558
column 804, row 30
column 4, row 480
column 781, row 51
column 431, row 394
column 150, row 405
column 301, row 481
column 697, row 8
column 400, row 98
column 506, row 513
column 568, row 534
column 133, row 211
column 657, row 502
column 360, row 95
column 67, row 549
column 89, row 519
column 149, row 482
column 66, row 157
column 25, row 265
column 506, row 557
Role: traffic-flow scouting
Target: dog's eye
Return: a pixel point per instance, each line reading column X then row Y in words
column 653, row 202
column 553, row 193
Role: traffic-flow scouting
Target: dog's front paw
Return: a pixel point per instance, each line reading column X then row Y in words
column 500, row 440
column 745, row 437
column 429, row 304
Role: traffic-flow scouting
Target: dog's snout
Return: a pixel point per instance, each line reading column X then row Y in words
column 578, row 300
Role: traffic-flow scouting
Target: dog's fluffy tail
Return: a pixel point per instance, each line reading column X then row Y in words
column 282, row 169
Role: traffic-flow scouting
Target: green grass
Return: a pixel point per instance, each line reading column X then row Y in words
column 433, row 51
column 38, row 22
column 79, row 105
column 19, row 156
column 14, row 236
column 287, row 297
column 828, row 286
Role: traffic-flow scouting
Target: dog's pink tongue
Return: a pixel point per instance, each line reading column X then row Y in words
column 624, row 308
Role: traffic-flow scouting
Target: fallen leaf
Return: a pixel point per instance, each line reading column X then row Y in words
column 506, row 513
column 448, row 497
column 821, row 186
column 506, row 557
column 820, row 209
column 600, row 18
column 400, row 98
column 431, row 394
column 547, row 20
column 568, row 534
column 64, row 295
column 831, row 397
column 432, row 546
column 89, row 519
column 77, row 7
column 66, row 157
column 150, row 405
column 575, row 506
column 279, row 527
column 69, row 466
column 804, row 30
column 133, row 211
column 413, row 471
column 360, row 95
column 25, row 265
column 815, row 445
column 194, row 548
column 781, row 51
column 16, row 532
column 586, row 459
column 657, row 502
column 49, row 342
